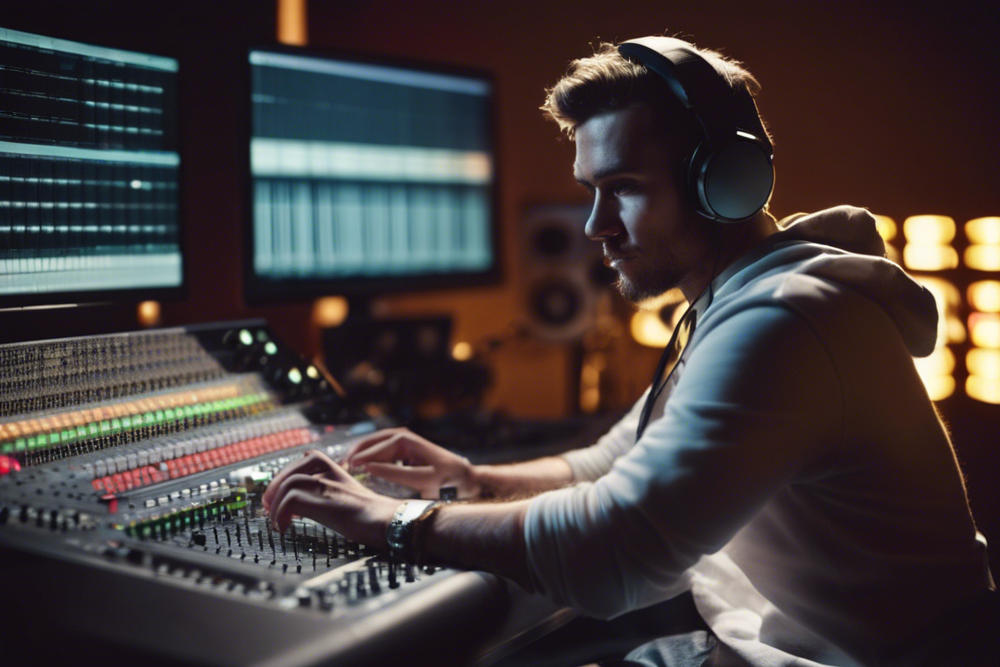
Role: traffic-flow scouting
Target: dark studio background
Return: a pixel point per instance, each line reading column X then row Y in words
column 886, row 105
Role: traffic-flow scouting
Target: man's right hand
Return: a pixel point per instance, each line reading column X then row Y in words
column 426, row 467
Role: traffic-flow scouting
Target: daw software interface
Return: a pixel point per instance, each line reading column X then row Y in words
column 364, row 171
column 89, row 168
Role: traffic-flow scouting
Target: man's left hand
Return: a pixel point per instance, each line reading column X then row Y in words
column 317, row 488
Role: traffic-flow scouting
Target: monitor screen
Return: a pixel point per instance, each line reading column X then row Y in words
column 89, row 168
column 367, row 176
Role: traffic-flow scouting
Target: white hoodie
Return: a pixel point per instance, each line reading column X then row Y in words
column 795, row 476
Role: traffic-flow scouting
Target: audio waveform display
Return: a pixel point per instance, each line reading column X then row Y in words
column 89, row 168
column 364, row 170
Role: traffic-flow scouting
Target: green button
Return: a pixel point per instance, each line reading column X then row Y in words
column 270, row 348
column 116, row 425
column 104, row 426
column 32, row 443
column 69, row 435
column 92, row 428
column 81, row 431
column 20, row 444
column 246, row 337
column 188, row 411
column 54, row 437
column 168, row 414
column 148, row 418
column 158, row 416
column 126, row 422
column 8, row 447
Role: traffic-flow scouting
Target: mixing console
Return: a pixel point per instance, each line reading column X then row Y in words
column 130, row 514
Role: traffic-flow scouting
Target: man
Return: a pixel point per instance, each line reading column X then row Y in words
column 786, row 466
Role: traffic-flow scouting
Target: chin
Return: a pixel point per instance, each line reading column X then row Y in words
column 637, row 292
column 633, row 293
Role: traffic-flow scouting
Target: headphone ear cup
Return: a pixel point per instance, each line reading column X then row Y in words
column 733, row 183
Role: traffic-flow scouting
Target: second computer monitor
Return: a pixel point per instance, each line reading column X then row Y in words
column 367, row 176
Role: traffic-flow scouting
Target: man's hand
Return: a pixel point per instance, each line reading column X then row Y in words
column 316, row 487
column 426, row 466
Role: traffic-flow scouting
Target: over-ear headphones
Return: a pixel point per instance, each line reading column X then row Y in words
column 730, row 173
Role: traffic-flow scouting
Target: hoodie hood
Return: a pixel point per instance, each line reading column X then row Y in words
column 842, row 245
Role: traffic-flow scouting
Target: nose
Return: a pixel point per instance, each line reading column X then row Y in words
column 603, row 222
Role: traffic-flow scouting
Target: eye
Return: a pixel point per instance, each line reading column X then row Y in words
column 625, row 187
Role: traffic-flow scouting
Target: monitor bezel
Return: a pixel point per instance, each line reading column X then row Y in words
column 42, row 300
column 257, row 291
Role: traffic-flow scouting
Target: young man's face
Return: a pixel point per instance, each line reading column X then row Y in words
column 651, row 236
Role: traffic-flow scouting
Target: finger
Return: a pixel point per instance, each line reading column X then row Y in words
column 415, row 477
column 337, row 473
column 297, row 481
column 369, row 440
column 404, row 445
column 313, row 462
column 387, row 451
column 302, row 503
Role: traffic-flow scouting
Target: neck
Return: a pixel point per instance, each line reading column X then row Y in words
column 725, row 244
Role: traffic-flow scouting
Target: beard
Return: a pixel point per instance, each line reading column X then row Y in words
column 645, row 287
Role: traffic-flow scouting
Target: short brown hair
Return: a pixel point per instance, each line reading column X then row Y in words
column 607, row 81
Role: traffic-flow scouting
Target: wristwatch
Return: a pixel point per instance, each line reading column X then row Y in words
column 402, row 534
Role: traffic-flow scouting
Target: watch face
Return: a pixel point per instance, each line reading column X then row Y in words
column 400, row 530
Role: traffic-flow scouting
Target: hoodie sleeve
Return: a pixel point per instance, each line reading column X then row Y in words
column 591, row 462
column 756, row 403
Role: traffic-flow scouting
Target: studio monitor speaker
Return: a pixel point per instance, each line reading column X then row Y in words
column 563, row 271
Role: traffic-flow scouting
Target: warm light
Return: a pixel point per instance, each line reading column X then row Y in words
column 984, row 296
column 983, row 389
column 983, row 362
column 668, row 298
column 590, row 399
column 984, row 230
column 462, row 351
column 886, row 227
column 940, row 362
column 939, row 387
column 984, row 329
column 330, row 311
column 944, row 292
column 590, row 374
column 921, row 257
column 983, row 257
column 593, row 367
column 947, row 298
column 929, row 229
column 148, row 313
column 292, row 22
column 954, row 330
column 648, row 329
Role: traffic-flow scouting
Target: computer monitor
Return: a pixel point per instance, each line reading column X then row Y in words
column 89, row 172
column 367, row 177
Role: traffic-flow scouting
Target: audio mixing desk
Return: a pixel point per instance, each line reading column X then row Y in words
column 131, row 527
